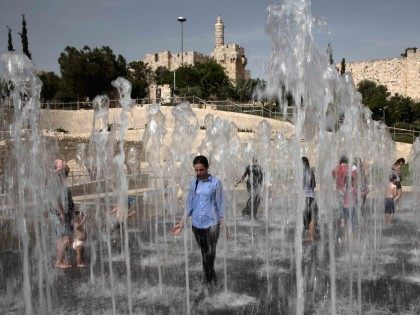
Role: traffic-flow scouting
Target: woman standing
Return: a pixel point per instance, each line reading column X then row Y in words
column 205, row 206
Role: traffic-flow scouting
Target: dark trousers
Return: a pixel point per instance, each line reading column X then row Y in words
column 252, row 202
column 310, row 213
column 207, row 240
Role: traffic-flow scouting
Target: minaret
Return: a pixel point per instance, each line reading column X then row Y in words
column 219, row 32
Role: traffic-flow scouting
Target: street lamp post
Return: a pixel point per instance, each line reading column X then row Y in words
column 383, row 109
column 182, row 19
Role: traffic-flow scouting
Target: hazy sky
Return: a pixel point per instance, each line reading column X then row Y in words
column 357, row 29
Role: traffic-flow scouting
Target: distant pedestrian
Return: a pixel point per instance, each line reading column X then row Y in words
column 310, row 213
column 390, row 195
column 360, row 171
column 396, row 170
column 340, row 174
column 253, row 186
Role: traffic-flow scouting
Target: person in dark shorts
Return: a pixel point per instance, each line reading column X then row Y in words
column 391, row 194
column 396, row 170
column 310, row 214
column 61, row 212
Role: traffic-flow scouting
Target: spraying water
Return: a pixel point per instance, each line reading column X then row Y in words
column 266, row 266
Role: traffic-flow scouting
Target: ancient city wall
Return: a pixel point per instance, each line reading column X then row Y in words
column 160, row 59
column 190, row 58
column 173, row 61
column 399, row 75
column 413, row 74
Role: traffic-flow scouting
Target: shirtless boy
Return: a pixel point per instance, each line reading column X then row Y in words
column 79, row 237
column 391, row 194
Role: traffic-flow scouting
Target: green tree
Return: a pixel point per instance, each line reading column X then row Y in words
column 9, row 40
column 244, row 89
column 140, row 76
column 343, row 66
column 374, row 97
column 87, row 72
column 400, row 109
column 207, row 80
column 213, row 80
column 330, row 54
column 186, row 76
column 24, row 38
column 163, row 76
column 415, row 107
column 51, row 84
column 190, row 91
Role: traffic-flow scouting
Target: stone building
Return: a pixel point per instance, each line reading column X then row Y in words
column 400, row 75
column 231, row 57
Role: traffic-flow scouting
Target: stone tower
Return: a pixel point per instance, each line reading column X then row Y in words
column 219, row 32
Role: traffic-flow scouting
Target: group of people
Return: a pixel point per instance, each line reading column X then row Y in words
column 69, row 224
column 352, row 189
column 205, row 202
column 205, row 206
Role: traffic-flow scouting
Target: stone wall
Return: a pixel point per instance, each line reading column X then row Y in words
column 400, row 75
column 173, row 61
column 81, row 121
column 159, row 59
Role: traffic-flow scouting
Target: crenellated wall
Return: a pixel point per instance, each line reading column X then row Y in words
column 173, row 61
column 400, row 75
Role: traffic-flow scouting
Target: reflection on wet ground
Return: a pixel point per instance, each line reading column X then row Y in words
column 255, row 284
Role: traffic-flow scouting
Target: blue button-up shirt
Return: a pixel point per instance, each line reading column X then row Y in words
column 205, row 203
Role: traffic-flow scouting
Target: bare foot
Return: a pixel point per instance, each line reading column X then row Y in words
column 63, row 265
column 81, row 265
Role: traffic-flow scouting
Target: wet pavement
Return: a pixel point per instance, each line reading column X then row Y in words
column 256, row 283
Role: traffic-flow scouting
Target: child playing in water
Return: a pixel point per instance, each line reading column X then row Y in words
column 391, row 194
column 79, row 237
